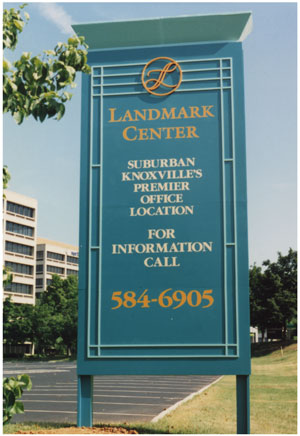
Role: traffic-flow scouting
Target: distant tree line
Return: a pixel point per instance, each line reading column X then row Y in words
column 273, row 294
column 51, row 325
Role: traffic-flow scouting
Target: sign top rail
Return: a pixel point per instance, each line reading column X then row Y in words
column 233, row 27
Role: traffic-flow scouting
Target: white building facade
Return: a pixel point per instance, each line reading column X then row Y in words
column 19, row 240
column 54, row 257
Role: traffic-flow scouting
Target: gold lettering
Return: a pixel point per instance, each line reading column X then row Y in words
column 191, row 132
column 125, row 136
column 182, row 113
column 139, row 114
column 206, row 111
column 167, row 115
column 112, row 115
column 127, row 116
column 151, row 111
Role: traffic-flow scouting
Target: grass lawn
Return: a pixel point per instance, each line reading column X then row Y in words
column 273, row 401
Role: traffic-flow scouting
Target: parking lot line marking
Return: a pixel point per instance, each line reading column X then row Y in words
column 103, row 402
column 28, row 394
column 115, row 390
column 98, row 385
column 95, row 413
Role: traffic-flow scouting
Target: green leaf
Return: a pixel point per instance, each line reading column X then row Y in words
column 42, row 113
column 27, row 16
column 26, row 380
column 6, row 66
column 50, row 52
column 70, row 70
column 18, row 117
column 68, row 95
column 18, row 407
column 19, row 24
column 61, row 112
column 10, row 399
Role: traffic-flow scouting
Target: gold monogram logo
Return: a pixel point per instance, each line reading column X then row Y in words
column 167, row 74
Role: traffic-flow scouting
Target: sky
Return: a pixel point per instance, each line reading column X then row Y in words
column 44, row 158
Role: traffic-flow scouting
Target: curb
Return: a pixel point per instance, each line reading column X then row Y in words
column 189, row 397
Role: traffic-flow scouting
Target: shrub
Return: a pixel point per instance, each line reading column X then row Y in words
column 12, row 391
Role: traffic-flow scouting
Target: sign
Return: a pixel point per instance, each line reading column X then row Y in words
column 163, row 232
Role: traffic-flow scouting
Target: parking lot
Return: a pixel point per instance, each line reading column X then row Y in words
column 53, row 397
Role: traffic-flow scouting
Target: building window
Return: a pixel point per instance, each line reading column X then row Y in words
column 19, row 268
column 39, row 269
column 72, row 259
column 19, row 288
column 18, row 228
column 18, row 248
column 19, row 209
column 39, row 255
column 72, row 272
column 39, row 283
column 55, row 269
column 55, row 256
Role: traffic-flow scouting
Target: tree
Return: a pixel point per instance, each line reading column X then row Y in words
column 17, row 322
column 273, row 293
column 260, row 309
column 282, row 277
column 36, row 85
column 55, row 315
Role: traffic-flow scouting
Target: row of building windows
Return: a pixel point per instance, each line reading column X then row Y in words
column 73, row 259
column 55, row 270
column 19, row 209
column 72, row 272
column 19, row 268
column 19, row 288
column 56, row 256
column 39, row 282
column 26, row 250
column 19, row 228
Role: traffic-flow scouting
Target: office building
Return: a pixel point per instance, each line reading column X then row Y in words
column 19, row 240
column 54, row 257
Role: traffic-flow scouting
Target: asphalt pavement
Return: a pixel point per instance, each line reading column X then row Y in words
column 53, row 397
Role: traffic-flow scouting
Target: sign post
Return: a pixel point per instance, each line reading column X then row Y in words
column 163, row 282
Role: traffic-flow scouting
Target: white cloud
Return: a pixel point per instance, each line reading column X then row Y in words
column 57, row 15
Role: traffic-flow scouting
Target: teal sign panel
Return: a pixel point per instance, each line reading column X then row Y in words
column 163, row 223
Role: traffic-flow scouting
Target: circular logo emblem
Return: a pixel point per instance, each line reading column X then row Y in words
column 161, row 76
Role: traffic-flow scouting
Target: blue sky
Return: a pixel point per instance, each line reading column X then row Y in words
column 43, row 159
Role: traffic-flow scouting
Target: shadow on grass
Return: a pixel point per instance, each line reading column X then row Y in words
column 265, row 348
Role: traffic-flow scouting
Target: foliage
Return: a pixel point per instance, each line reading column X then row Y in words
column 17, row 322
column 51, row 324
column 12, row 390
column 7, row 277
column 13, row 24
column 55, row 316
column 273, row 293
column 5, row 177
column 36, row 85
